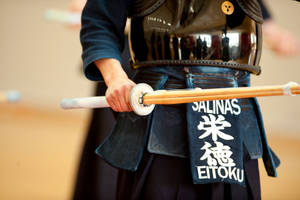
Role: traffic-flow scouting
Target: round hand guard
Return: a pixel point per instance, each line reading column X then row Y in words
column 136, row 99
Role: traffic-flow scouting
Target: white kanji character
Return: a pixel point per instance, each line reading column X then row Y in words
column 212, row 126
column 222, row 153
column 207, row 155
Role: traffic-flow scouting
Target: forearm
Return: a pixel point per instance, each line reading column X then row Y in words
column 111, row 70
column 102, row 33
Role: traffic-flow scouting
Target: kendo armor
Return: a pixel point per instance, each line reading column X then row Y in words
column 188, row 33
column 196, row 32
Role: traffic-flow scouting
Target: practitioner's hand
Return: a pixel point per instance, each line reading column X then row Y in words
column 118, row 84
column 280, row 40
column 117, row 94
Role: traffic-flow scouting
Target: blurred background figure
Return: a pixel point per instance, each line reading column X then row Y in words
column 10, row 96
column 280, row 40
column 76, row 6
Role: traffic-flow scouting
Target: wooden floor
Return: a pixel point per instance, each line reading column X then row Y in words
column 39, row 154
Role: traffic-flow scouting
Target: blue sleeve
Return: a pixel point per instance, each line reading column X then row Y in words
column 102, row 33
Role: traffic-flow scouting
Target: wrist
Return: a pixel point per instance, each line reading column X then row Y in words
column 111, row 70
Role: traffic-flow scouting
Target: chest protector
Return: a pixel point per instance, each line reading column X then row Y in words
column 196, row 32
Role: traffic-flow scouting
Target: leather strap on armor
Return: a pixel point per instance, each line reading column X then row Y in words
column 252, row 9
column 254, row 69
column 142, row 8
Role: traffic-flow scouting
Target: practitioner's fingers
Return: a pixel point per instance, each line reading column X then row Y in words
column 124, row 101
column 127, row 95
column 117, row 95
column 112, row 100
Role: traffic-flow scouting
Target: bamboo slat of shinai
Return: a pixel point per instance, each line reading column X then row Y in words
column 195, row 95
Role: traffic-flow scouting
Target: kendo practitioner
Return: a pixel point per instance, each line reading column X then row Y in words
column 201, row 150
column 96, row 179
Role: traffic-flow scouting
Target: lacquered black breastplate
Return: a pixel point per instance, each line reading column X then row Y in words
column 197, row 32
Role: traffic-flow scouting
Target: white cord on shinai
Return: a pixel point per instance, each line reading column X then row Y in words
column 287, row 88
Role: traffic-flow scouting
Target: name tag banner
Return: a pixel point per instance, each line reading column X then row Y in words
column 216, row 152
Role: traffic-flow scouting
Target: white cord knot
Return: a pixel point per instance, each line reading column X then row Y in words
column 287, row 88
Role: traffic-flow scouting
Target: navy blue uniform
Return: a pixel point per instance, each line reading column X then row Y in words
column 102, row 37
